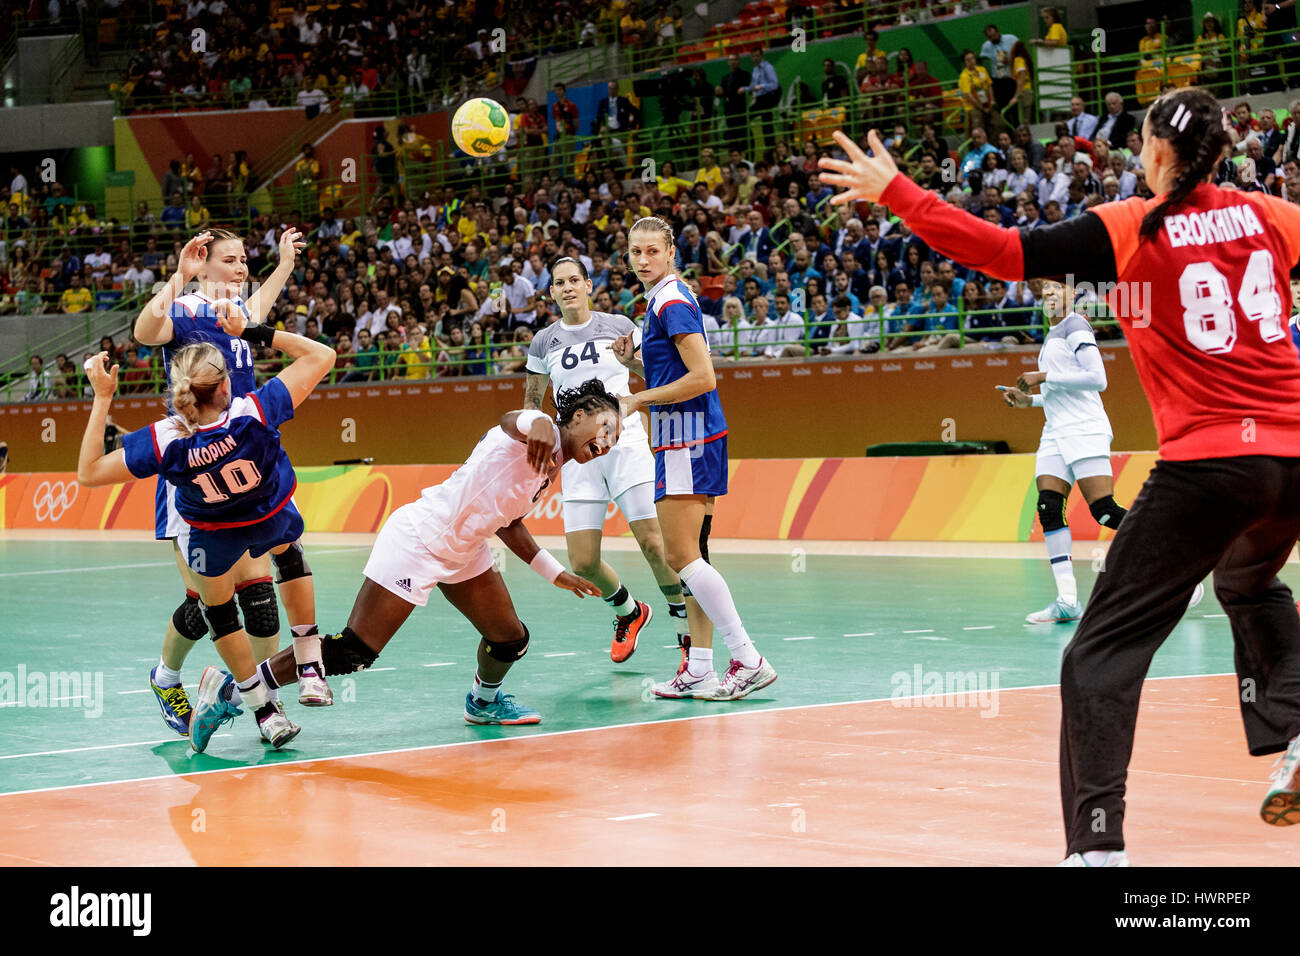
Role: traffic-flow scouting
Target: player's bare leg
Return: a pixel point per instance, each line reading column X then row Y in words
column 486, row 604
column 650, row 538
column 294, row 581
column 682, row 519
column 630, row 615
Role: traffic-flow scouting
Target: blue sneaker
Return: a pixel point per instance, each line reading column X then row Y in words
column 212, row 708
column 503, row 710
column 174, row 703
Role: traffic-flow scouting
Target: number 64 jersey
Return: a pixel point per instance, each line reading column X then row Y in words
column 230, row 474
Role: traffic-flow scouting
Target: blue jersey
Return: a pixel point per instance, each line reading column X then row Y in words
column 229, row 474
column 193, row 321
column 671, row 309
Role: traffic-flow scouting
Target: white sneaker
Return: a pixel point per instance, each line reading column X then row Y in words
column 276, row 728
column 313, row 691
column 686, row 684
column 1058, row 612
column 1197, row 595
column 1281, row 805
column 1112, row 858
column 741, row 680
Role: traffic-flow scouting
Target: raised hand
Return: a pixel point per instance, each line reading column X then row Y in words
column 230, row 317
column 863, row 177
column 193, row 255
column 102, row 380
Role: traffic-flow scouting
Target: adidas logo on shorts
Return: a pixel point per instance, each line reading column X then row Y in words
column 405, row 585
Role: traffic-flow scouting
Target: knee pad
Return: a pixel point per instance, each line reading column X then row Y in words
column 705, row 528
column 345, row 653
column 188, row 619
column 507, row 651
column 1107, row 512
column 261, row 612
column 291, row 565
column 1051, row 511
column 222, row 619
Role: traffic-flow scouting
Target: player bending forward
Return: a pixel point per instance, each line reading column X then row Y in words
column 234, row 489
column 1075, row 446
column 441, row 540
column 566, row 353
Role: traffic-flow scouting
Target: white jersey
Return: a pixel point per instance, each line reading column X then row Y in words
column 572, row 354
column 495, row 486
column 1069, row 411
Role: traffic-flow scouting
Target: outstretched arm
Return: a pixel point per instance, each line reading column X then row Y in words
column 94, row 468
column 519, row 540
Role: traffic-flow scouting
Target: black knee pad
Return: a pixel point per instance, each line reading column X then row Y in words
column 261, row 612
column 1107, row 512
column 1051, row 511
column 345, row 653
column 705, row 528
column 507, row 651
column 188, row 619
column 222, row 619
column 291, row 565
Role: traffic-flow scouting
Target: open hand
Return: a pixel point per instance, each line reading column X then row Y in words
column 579, row 586
column 290, row 245
column 193, row 255
column 863, row 177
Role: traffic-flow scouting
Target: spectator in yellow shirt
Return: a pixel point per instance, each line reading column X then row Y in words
column 863, row 68
column 196, row 214
column 670, row 184
column 1152, row 43
column 710, row 172
column 417, row 355
column 976, row 92
column 1056, row 35
column 632, row 29
column 76, row 298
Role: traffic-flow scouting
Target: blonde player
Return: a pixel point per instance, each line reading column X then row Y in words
column 567, row 353
column 1075, row 446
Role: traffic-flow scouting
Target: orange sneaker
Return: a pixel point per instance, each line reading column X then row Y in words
column 626, row 630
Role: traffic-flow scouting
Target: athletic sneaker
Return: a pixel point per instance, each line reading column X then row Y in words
column 1058, row 612
column 276, row 728
column 503, row 710
column 740, row 681
column 1282, row 802
column 211, row 708
column 625, row 631
column 1112, row 858
column 1197, row 595
column 313, row 691
column 174, row 703
column 686, row 684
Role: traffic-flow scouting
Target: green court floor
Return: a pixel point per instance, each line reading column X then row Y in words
column 840, row 629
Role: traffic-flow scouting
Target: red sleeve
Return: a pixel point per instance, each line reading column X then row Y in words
column 955, row 233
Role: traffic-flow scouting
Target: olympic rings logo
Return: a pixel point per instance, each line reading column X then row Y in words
column 52, row 499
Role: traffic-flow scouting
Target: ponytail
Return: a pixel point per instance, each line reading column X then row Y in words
column 197, row 372
column 1194, row 124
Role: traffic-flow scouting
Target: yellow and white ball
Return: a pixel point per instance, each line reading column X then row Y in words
column 481, row 126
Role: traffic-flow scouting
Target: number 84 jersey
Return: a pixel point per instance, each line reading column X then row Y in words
column 572, row 354
column 228, row 474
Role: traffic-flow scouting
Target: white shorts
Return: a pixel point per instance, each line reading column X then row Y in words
column 610, row 478
column 1075, row 457
column 400, row 562
column 637, row 504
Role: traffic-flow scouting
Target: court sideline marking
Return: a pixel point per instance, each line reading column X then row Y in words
column 148, row 564
column 554, row 733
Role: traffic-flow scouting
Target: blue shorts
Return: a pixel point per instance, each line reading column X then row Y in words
column 213, row 553
column 695, row 470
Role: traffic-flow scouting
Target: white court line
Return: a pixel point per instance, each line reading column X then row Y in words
column 982, row 627
column 79, row 750
column 145, row 691
column 716, row 715
column 78, row 697
column 1214, row 615
column 927, row 630
column 376, row 670
column 862, row 634
column 799, row 638
column 634, row 816
column 443, row 664
column 561, row 654
column 146, row 564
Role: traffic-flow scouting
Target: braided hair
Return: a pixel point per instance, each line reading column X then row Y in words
column 1194, row 124
column 591, row 397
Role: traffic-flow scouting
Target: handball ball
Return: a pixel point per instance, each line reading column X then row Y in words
column 481, row 126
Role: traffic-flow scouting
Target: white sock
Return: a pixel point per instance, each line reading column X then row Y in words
column 165, row 676
column 710, row 590
column 484, row 693
column 1058, row 552
column 254, row 692
column 306, row 648
column 700, row 662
